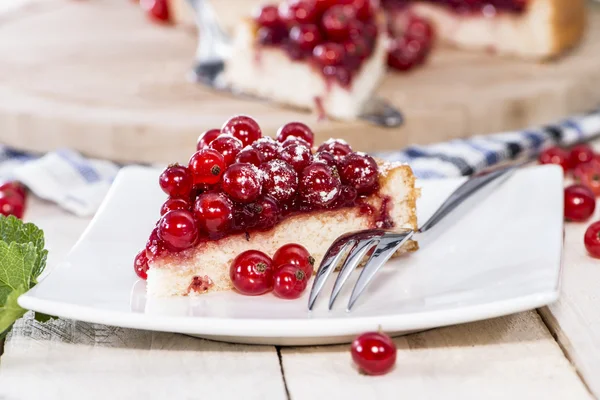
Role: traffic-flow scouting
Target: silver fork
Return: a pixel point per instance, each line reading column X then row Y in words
column 214, row 46
column 385, row 243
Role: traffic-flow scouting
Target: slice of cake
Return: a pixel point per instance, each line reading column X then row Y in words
column 321, row 56
column 530, row 29
column 231, row 199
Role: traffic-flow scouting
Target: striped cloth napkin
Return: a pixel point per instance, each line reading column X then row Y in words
column 79, row 184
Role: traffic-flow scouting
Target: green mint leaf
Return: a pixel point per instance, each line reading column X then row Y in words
column 17, row 262
column 14, row 230
column 10, row 311
column 41, row 317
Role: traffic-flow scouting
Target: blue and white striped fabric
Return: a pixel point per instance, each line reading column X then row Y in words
column 79, row 184
column 467, row 156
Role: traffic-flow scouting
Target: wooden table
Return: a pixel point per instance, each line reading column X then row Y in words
column 552, row 353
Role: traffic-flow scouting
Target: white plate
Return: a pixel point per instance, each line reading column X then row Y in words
column 502, row 256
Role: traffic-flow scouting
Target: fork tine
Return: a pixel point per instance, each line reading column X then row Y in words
column 385, row 249
column 354, row 257
column 326, row 268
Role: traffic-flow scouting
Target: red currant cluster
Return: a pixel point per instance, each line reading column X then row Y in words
column 335, row 35
column 580, row 198
column 239, row 181
column 411, row 41
column 468, row 6
column 287, row 274
column 13, row 197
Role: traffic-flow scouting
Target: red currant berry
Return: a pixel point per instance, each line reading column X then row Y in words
column 580, row 203
column 174, row 204
column 214, row 213
column 405, row 53
column 242, row 182
column 249, row 155
column 251, row 273
column 296, row 155
column 374, row 353
column 271, row 36
column 319, row 185
column 326, row 158
column 178, row 230
column 357, row 50
column 207, row 167
column 11, row 203
column 295, row 12
column 419, row 29
column 205, row 139
column 360, row 171
column 267, row 16
column 338, row 148
column 588, row 174
column 158, row 10
column 16, row 187
column 305, row 37
column 294, row 254
column 336, row 22
column 280, row 181
column 591, row 239
column 292, row 140
column 347, row 198
column 289, row 282
column 580, row 154
column 364, row 9
column 267, row 211
column 555, row 155
column 298, row 130
column 268, row 148
column 329, row 54
column 228, row 146
column 140, row 265
column 243, row 128
column 176, row 181
column 154, row 246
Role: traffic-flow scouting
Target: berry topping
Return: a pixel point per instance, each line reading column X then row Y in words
column 205, row 139
column 374, row 353
column 214, row 213
column 319, row 185
column 292, row 140
column 591, row 239
column 266, row 211
column 251, row 273
column 271, row 36
column 249, row 155
column 325, row 157
column 580, row 154
column 336, row 22
column 242, row 183
column 140, row 265
column 359, row 171
column 297, row 155
column 267, row 16
column 329, row 54
column 280, row 180
column 228, row 146
column 419, row 29
column 298, row 130
column 207, row 166
column 243, row 128
column 305, row 37
column 298, row 12
column 174, row 204
column 268, row 147
column 405, row 53
column 178, row 230
column 290, row 281
column 364, row 9
column 580, row 203
column 294, row 254
column 176, row 181
column 555, row 155
column 154, row 246
column 338, row 148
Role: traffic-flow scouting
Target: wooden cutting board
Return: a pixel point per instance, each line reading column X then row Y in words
column 97, row 76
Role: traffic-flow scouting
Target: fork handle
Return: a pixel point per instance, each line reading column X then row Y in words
column 464, row 191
